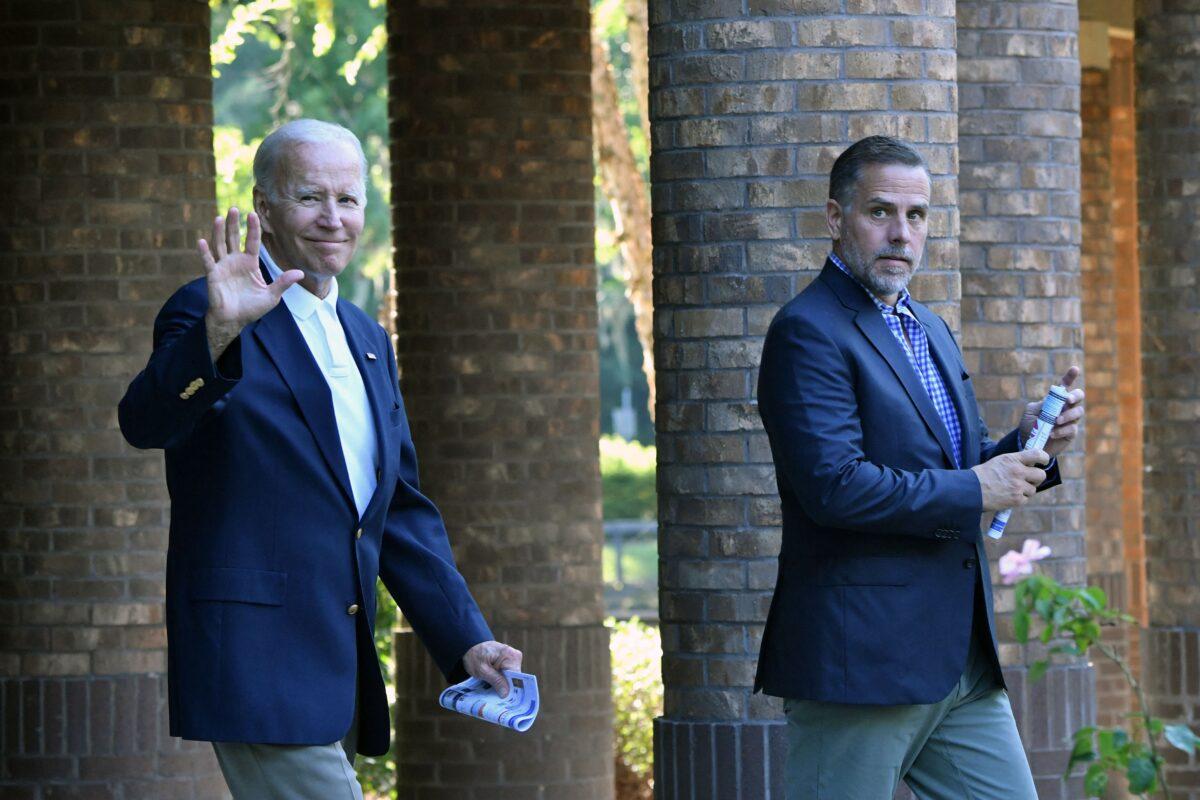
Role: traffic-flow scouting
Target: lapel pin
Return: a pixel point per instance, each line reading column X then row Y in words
column 370, row 356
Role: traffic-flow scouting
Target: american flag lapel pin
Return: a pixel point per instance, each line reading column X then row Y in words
column 370, row 356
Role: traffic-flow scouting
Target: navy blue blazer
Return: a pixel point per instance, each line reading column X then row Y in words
column 267, row 552
column 881, row 558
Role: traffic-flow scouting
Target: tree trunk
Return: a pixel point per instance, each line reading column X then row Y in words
column 625, row 189
column 639, row 58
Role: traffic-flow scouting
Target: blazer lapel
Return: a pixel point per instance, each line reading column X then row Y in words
column 943, row 348
column 373, row 373
column 286, row 347
column 871, row 323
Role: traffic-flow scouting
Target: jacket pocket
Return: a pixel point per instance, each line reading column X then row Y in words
column 233, row 585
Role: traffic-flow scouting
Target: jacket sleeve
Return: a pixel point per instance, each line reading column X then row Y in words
column 807, row 399
column 418, row 569
column 180, row 382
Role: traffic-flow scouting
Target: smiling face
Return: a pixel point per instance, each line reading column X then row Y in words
column 314, row 222
column 881, row 236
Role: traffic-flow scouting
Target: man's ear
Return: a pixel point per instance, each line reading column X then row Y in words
column 833, row 218
column 263, row 209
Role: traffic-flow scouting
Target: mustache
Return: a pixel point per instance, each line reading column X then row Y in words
column 902, row 255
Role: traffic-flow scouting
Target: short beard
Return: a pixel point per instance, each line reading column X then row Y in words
column 879, row 285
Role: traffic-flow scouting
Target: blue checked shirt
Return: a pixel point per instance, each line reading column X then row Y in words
column 900, row 321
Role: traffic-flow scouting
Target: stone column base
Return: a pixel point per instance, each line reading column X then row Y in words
column 566, row 755
column 732, row 760
column 1171, row 674
column 98, row 736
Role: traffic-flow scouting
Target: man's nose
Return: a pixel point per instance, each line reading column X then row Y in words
column 329, row 217
column 900, row 231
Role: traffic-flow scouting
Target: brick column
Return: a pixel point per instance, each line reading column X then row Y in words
column 750, row 105
column 1168, row 137
column 1019, row 130
column 106, row 117
column 1106, row 443
column 492, row 177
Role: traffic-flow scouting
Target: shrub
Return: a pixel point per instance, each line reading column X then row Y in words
column 637, row 699
column 627, row 473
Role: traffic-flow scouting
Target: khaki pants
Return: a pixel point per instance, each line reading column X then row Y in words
column 965, row 747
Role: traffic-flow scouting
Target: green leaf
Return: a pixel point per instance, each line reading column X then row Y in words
column 1095, row 781
column 1093, row 597
column 1141, row 775
column 1021, row 624
column 1082, row 751
column 1112, row 741
column 1037, row 669
column 1182, row 737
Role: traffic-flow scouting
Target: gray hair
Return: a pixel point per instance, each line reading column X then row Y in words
column 299, row 131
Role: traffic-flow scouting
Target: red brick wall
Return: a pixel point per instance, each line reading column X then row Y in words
column 105, row 117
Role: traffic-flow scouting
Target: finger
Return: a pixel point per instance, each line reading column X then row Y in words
column 489, row 673
column 218, row 238
column 206, row 256
column 1074, row 397
column 286, row 281
column 253, row 234
column 1031, row 457
column 1069, row 376
column 1035, row 477
column 233, row 231
column 510, row 659
column 1069, row 416
column 1064, row 432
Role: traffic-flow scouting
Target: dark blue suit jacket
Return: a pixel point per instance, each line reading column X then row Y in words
column 264, row 559
column 882, row 558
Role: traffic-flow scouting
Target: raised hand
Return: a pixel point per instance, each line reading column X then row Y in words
column 237, row 292
column 1066, row 426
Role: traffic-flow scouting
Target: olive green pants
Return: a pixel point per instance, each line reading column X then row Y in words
column 965, row 747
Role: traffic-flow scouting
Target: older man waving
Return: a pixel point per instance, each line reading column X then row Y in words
column 293, row 484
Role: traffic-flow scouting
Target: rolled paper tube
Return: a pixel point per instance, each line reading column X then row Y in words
column 1052, row 406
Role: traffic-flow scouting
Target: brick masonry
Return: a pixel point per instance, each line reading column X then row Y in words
column 1168, row 137
column 1106, row 441
column 496, row 333
column 105, row 118
column 750, row 104
column 1019, row 132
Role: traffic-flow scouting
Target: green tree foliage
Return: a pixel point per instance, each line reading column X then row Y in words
column 637, row 700
column 620, row 352
column 627, row 471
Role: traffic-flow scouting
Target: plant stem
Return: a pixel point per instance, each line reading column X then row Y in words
column 1111, row 654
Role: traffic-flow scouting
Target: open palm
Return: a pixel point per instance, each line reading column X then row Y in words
column 237, row 292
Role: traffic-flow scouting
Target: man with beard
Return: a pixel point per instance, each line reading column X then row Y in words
column 880, row 635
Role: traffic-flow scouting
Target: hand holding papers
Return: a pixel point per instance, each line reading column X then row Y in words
column 1052, row 406
column 475, row 698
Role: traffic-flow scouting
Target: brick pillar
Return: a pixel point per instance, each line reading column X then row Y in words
column 105, row 114
column 750, row 105
column 492, row 177
column 1019, row 128
column 1106, row 442
column 1168, row 137
column 1123, row 156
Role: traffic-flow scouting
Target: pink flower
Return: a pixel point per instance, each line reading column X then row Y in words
column 1013, row 564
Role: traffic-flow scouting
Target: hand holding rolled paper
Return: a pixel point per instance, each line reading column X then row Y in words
column 1038, row 439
